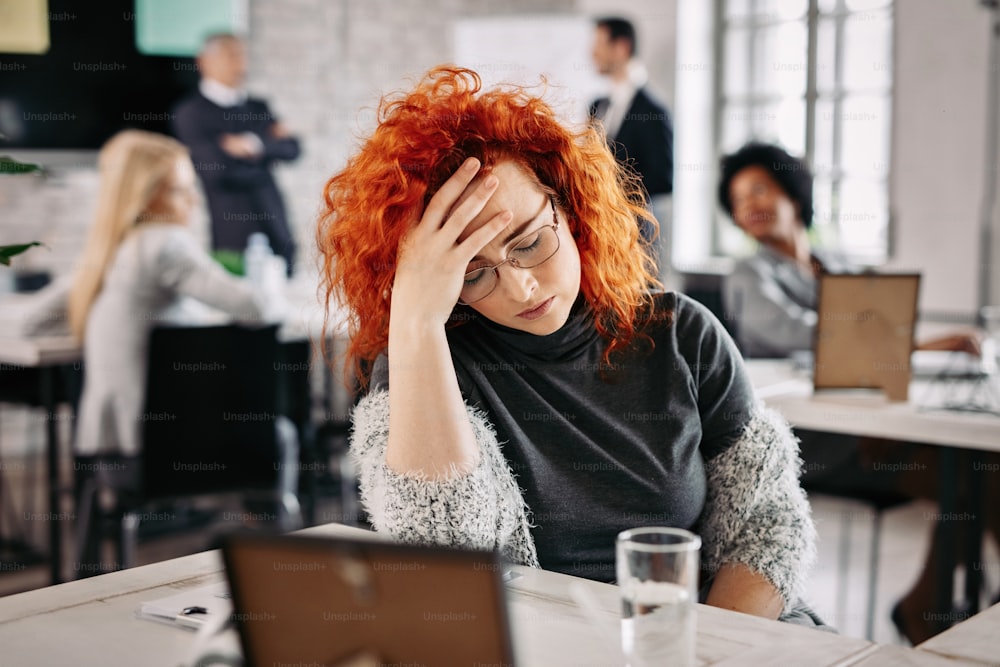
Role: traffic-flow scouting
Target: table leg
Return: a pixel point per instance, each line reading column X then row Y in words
column 945, row 532
column 48, row 382
column 974, row 534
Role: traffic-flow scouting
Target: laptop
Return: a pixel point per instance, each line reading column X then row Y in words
column 350, row 602
column 865, row 331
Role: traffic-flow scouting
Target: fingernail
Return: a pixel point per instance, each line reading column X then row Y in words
column 491, row 181
column 472, row 164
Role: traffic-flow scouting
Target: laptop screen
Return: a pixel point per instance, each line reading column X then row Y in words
column 336, row 601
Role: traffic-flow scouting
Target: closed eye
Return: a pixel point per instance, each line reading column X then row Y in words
column 529, row 243
column 475, row 275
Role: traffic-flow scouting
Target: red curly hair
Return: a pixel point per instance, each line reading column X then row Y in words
column 422, row 137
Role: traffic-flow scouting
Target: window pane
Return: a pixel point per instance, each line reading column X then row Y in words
column 737, row 9
column 826, row 55
column 866, row 5
column 864, row 136
column 867, row 51
column 782, row 10
column 737, row 63
column 737, row 119
column 823, row 156
column 783, row 122
column 862, row 218
column 780, row 53
column 822, row 229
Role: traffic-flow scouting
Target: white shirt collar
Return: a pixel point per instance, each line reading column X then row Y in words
column 221, row 94
column 621, row 96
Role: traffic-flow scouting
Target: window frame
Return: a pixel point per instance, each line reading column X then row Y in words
column 728, row 242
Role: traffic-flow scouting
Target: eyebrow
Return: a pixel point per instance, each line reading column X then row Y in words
column 517, row 231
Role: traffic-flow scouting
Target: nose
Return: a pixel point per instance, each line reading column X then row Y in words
column 518, row 284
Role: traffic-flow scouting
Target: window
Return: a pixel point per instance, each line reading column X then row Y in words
column 816, row 77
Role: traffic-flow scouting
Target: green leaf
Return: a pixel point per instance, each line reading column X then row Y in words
column 8, row 251
column 9, row 165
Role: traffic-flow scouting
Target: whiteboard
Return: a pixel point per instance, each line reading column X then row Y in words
column 519, row 49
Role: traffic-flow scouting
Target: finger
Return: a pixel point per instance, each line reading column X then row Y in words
column 469, row 205
column 448, row 194
column 488, row 231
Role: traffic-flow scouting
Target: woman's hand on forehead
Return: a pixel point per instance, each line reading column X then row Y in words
column 434, row 254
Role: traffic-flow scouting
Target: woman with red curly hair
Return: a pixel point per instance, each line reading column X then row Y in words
column 527, row 390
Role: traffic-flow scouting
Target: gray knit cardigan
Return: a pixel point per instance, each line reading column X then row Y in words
column 755, row 511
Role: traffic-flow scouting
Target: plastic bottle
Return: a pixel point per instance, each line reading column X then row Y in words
column 256, row 257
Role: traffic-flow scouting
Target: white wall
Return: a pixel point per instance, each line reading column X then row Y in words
column 939, row 123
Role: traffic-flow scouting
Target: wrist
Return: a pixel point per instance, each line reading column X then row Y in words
column 417, row 320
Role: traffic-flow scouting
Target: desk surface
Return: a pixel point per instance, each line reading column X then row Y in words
column 973, row 640
column 899, row 656
column 869, row 413
column 92, row 621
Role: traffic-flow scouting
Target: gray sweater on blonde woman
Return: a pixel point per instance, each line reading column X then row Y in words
column 160, row 275
column 575, row 450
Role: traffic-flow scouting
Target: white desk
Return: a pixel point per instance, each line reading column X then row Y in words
column 976, row 639
column 92, row 622
column 869, row 413
column 47, row 354
column 899, row 656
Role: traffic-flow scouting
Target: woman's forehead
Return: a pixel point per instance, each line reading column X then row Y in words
column 518, row 191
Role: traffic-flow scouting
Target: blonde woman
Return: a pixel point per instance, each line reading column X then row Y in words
column 139, row 264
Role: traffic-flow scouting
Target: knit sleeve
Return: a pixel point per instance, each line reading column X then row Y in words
column 756, row 513
column 480, row 509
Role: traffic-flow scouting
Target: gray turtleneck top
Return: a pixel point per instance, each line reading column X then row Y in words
column 575, row 450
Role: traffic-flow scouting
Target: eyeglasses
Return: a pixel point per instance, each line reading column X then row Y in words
column 528, row 252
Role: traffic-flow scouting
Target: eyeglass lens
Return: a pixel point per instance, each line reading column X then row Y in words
column 529, row 252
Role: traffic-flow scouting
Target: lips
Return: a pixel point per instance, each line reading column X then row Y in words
column 756, row 219
column 537, row 311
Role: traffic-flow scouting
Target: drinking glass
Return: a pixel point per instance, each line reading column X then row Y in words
column 657, row 572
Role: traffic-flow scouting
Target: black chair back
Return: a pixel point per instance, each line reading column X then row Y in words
column 211, row 405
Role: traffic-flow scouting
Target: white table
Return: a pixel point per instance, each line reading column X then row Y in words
column 869, row 413
column 92, row 622
column 899, row 656
column 47, row 354
column 977, row 639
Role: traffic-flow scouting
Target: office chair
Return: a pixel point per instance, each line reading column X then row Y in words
column 211, row 426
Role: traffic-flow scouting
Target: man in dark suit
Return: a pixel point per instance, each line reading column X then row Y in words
column 234, row 139
column 638, row 127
